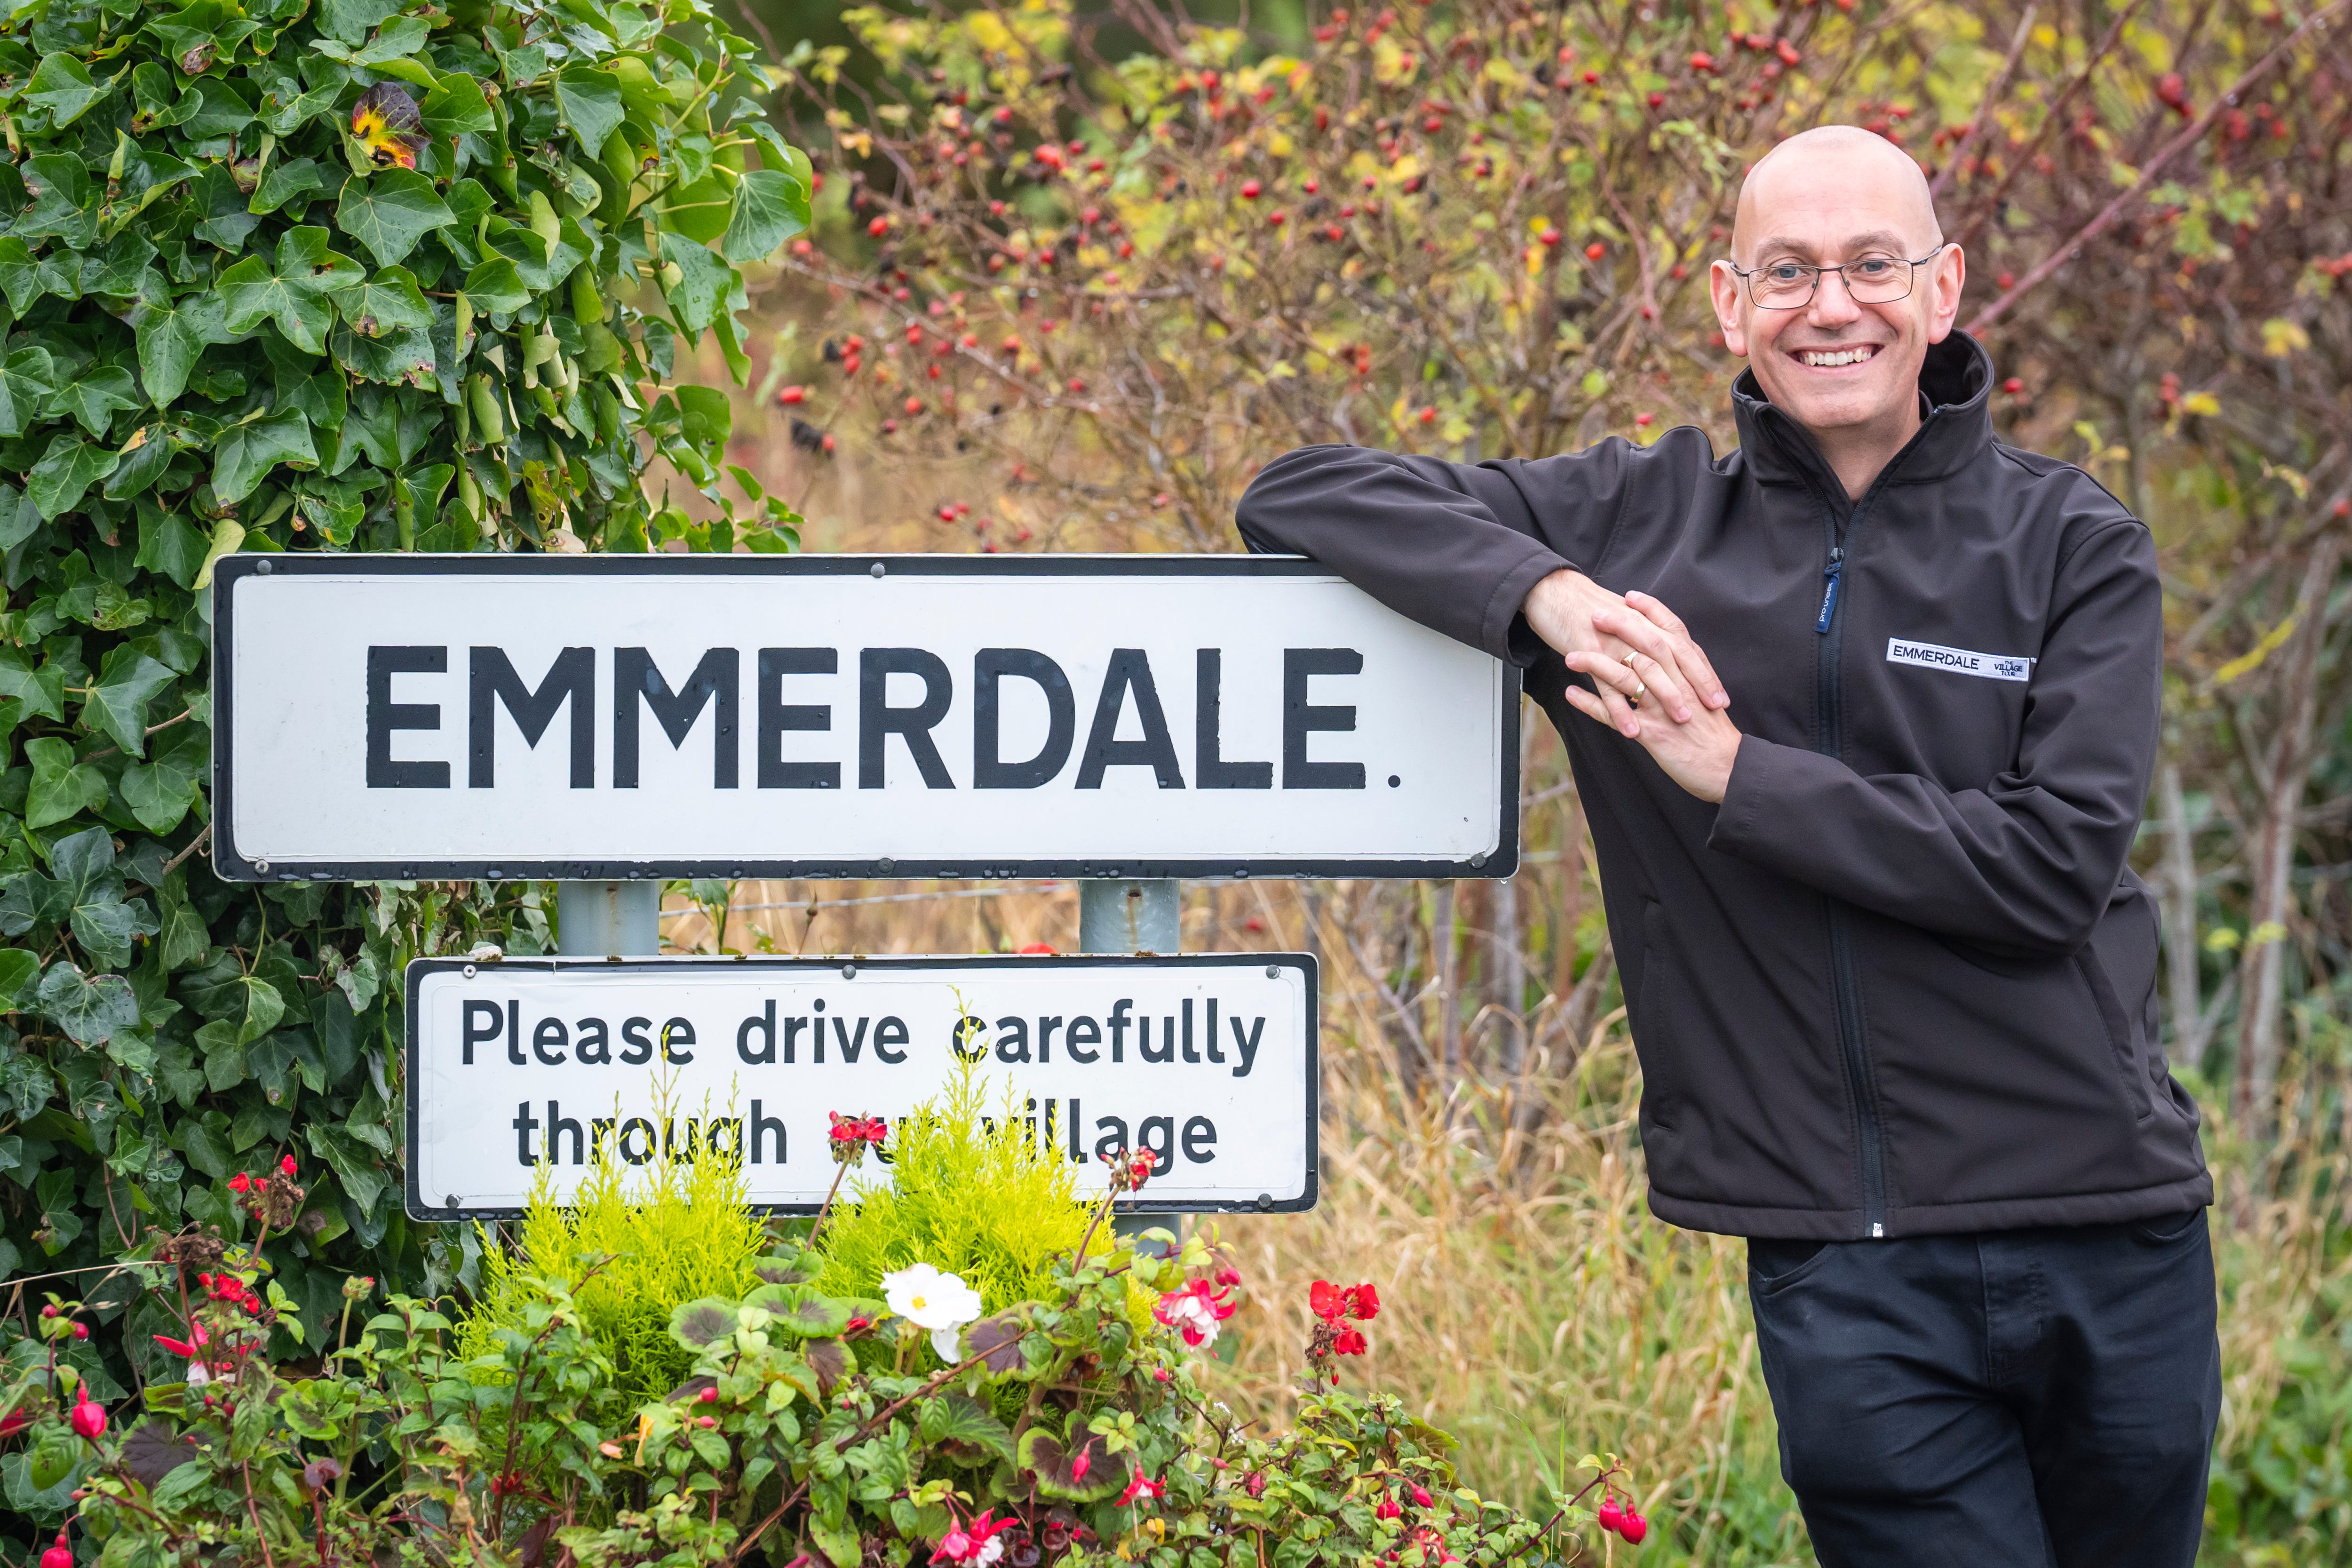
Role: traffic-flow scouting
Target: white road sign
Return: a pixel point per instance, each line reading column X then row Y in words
column 1208, row 1060
column 600, row 716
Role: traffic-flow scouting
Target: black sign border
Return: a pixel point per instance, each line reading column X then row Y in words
column 229, row 865
column 412, row 1198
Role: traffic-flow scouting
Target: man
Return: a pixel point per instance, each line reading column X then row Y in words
column 1890, row 979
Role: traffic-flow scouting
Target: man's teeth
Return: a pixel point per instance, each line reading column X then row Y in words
column 1827, row 358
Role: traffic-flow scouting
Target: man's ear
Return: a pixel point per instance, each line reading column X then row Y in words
column 1723, row 290
column 1947, row 274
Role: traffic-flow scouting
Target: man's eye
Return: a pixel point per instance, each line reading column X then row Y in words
column 1784, row 272
column 1871, row 267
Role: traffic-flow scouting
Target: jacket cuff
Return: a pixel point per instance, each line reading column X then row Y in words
column 1759, row 772
column 1503, row 631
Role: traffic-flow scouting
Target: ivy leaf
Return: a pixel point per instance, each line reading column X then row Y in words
column 92, row 397
column 62, row 85
column 143, row 456
column 770, row 208
column 169, row 543
column 246, row 453
column 24, row 277
column 496, row 285
column 107, row 929
column 290, row 291
column 159, row 792
column 41, row 692
column 389, row 299
column 390, row 213
column 590, row 103
column 965, row 1428
column 27, row 379
column 702, row 286
column 127, row 682
column 172, row 333
column 66, row 472
column 89, row 1008
column 284, row 181
column 399, row 38
column 17, row 968
column 348, row 21
column 62, row 787
column 63, row 204
column 456, row 107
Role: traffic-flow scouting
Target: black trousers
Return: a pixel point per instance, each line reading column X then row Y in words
column 2012, row 1399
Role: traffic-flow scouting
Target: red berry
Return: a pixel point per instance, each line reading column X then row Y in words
column 1702, row 61
column 792, row 395
column 1643, row 420
column 1595, row 251
column 1549, row 236
column 878, row 228
column 2013, row 386
column 2004, row 280
column 2341, row 509
column 914, row 405
column 1250, row 189
column 1277, row 219
column 828, row 443
column 1429, row 416
column 81, row 1331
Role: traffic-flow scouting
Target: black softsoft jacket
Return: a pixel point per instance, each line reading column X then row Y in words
column 1901, row 981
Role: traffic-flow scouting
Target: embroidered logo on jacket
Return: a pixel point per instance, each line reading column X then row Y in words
column 1959, row 660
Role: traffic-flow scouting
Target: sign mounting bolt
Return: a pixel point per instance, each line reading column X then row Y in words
column 262, row 570
column 469, row 972
column 1477, row 861
column 1272, row 973
column 876, row 569
column 849, row 971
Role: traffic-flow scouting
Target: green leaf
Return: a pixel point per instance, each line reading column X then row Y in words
column 401, row 38
column 146, row 453
column 700, row 1322
column 63, row 86
column 246, row 453
column 965, row 1427
column 1011, row 1349
column 389, row 299
column 495, row 285
column 41, row 692
column 702, row 286
column 705, row 417
column 770, row 208
column 289, row 289
column 350, row 21
column 24, row 277
column 92, row 397
column 169, row 543
column 26, row 380
column 127, row 681
column 66, row 472
column 207, row 1152
column 590, row 103
column 1054, row 1461
column 17, row 968
column 456, row 107
column 262, row 1007
column 390, row 213
column 799, row 1310
column 62, row 787
column 63, row 203
column 89, row 1008
column 286, row 181
column 172, row 331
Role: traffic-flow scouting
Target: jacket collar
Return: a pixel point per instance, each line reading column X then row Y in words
column 1954, row 383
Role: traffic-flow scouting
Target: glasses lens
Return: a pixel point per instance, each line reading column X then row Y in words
column 1781, row 286
column 1876, row 280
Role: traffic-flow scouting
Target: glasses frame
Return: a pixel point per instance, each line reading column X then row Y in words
column 1910, row 279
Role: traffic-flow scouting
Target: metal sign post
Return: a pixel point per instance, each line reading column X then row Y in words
column 1133, row 917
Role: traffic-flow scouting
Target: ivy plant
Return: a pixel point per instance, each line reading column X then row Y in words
column 307, row 275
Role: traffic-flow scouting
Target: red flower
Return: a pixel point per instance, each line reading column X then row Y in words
column 1363, row 1302
column 1388, row 1508
column 1420, row 1496
column 88, row 1417
column 286, row 1166
column 1324, row 1299
column 1130, row 1169
column 59, row 1556
column 1349, row 1341
column 1142, row 1487
column 1194, row 1311
column 240, row 1182
column 180, row 1348
column 1081, row 1465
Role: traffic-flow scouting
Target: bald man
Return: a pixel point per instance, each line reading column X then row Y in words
column 1863, row 715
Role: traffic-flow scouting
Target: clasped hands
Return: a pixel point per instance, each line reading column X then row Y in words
column 1651, row 682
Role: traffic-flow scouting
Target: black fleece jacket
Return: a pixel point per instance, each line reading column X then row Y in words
column 1901, row 981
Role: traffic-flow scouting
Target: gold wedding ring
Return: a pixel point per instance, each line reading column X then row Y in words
column 1641, row 687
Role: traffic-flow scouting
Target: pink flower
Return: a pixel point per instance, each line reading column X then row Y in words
column 1081, row 1465
column 1194, row 1311
column 59, row 1556
column 88, row 1418
column 975, row 1545
column 1142, row 1487
column 1161, row 1374
column 1420, row 1497
column 1229, row 1275
column 1388, row 1508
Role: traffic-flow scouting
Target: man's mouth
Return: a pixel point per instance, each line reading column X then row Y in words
column 1830, row 359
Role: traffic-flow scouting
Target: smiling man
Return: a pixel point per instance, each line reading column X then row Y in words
column 1863, row 716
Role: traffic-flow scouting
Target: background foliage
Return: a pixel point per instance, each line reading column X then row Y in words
column 231, row 323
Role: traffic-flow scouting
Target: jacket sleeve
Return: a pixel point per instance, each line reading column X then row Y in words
column 2028, row 863
column 1454, row 546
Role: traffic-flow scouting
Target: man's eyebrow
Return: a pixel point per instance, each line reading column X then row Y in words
column 1875, row 239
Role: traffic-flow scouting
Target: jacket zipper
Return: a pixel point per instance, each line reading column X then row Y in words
column 1846, row 992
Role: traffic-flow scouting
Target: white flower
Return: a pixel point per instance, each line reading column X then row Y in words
column 929, row 1300
column 197, row 1376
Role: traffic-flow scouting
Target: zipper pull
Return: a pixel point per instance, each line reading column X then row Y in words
column 1828, row 595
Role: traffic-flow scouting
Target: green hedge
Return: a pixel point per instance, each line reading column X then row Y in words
column 356, row 275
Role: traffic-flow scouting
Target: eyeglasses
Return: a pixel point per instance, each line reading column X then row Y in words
column 1872, row 280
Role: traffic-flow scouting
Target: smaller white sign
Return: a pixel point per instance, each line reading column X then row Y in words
column 1959, row 660
column 1208, row 1060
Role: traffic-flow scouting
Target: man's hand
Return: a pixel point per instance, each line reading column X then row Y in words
column 1646, row 695
column 1575, row 614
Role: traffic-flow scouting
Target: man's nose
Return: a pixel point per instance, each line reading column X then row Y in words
column 1833, row 302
